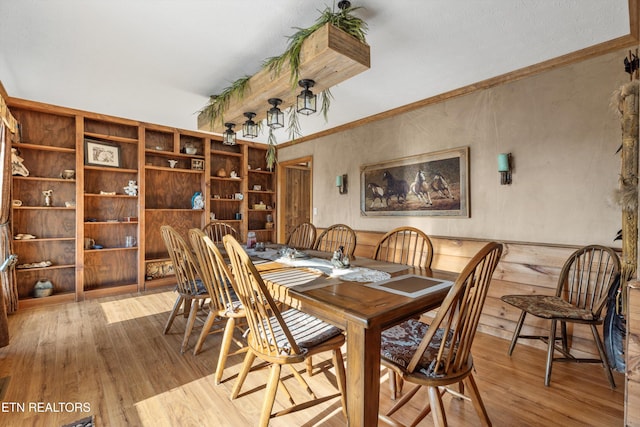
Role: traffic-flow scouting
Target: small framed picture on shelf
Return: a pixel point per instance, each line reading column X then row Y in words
column 197, row 164
column 101, row 153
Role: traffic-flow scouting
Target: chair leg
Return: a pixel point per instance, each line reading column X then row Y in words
column 208, row 324
column 392, row 384
column 309, row 364
column 563, row 336
column 516, row 333
column 551, row 348
column 224, row 347
column 193, row 313
column 174, row 313
column 437, row 409
column 246, row 366
column 477, row 401
column 603, row 356
column 269, row 399
column 400, row 403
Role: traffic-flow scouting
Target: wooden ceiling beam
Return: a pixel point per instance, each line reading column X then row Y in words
column 328, row 56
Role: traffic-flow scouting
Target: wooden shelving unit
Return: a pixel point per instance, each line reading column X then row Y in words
column 169, row 167
column 47, row 145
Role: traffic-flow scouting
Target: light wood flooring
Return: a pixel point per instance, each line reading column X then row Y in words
column 110, row 355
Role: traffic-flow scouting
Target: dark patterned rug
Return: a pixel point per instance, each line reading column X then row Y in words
column 85, row 422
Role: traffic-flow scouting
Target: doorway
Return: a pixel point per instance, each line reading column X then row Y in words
column 295, row 185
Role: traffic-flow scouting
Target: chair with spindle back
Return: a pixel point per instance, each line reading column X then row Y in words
column 581, row 294
column 438, row 355
column 224, row 301
column 408, row 246
column 303, row 236
column 216, row 230
column 280, row 338
column 335, row 236
column 191, row 290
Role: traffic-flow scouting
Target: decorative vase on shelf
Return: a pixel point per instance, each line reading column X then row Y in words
column 43, row 288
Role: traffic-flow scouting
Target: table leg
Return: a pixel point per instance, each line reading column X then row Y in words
column 363, row 374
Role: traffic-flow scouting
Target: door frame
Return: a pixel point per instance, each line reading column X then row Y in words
column 282, row 166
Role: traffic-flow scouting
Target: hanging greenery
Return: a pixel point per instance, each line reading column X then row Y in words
column 342, row 19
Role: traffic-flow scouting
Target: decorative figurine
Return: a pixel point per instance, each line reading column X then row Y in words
column 197, row 201
column 131, row 189
column 47, row 197
column 339, row 259
column 17, row 168
column 172, row 163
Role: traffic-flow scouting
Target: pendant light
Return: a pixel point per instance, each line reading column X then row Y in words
column 275, row 117
column 306, row 103
column 250, row 128
column 229, row 136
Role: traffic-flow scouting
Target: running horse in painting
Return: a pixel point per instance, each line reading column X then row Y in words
column 395, row 187
column 421, row 188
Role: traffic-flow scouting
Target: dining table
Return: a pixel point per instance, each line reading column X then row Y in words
column 355, row 303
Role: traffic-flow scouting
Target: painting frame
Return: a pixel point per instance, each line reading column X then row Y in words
column 102, row 153
column 197, row 164
column 429, row 184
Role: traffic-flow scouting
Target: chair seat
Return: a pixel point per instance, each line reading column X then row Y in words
column 200, row 288
column 548, row 307
column 400, row 342
column 307, row 331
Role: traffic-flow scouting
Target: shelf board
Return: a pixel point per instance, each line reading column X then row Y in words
column 43, row 178
column 45, row 239
column 167, row 153
column 26, row 145
column 51, row 267
column 135, row 248
column 262, row 191
column 226, row 153
column 260, row 171
column 261, row 210
column 109, row 222
column 110, row 195
column 213, row 199
column 217, row 178
column 64, row 208
column 168, row 169
column 110, row 169
column 111, row 137
column 174, row 210
column 160, row 282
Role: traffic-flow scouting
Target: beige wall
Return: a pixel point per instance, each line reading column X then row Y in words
column 559, row 127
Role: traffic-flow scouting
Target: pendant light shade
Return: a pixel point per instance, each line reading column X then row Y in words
column 250, row 128
column 275, row 117
column 306, row 102
column 229, row 136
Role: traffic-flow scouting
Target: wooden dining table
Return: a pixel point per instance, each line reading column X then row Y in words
column 360, row 310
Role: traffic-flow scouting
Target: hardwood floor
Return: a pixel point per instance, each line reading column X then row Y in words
column 109, row 357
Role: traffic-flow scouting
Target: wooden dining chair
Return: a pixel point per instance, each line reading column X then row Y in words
column 581, row 294
column 303, row 236
column 280, row 338
column 335, row 236
column 408, row 246
column 438, row 355
column 191, row 291
column 224, row 304
column 216, row 230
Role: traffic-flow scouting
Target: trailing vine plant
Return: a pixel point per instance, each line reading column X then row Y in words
column 342, row 19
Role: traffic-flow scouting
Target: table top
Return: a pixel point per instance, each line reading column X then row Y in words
column 339, row 301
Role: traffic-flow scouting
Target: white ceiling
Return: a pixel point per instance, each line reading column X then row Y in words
column 158, row 61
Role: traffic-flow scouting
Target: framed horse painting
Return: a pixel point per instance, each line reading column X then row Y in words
column 433, row 184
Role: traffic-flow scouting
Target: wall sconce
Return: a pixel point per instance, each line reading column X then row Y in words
column 229, row 136
column 306, row 101
column 341, row 183
column 504, row 167
column 250, row 128
column 275, row 117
